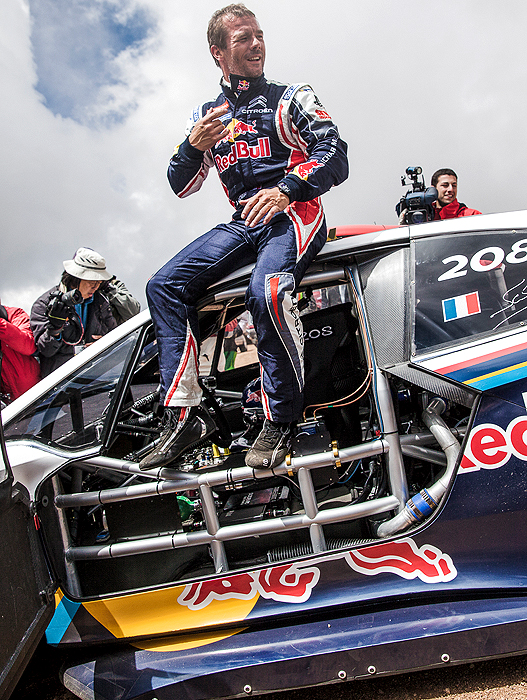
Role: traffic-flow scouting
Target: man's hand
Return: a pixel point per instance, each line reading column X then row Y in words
column 263, row 205
column 208, row 130
column 58, row 314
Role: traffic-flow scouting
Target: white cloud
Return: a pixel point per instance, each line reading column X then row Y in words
column 82, row 49
column 436, row 85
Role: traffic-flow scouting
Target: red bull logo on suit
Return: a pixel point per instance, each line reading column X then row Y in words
column 240, row 150
column 305, row 169
column 237, row 128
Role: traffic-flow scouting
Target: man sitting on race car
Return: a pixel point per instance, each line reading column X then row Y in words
column 447, row 206
column 276, row 151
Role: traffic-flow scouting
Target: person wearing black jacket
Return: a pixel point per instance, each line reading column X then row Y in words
column 74, row 313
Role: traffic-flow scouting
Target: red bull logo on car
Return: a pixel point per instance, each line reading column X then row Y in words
column 292, row 583
column 489, row 446
column 404, row 558
column 288, row 583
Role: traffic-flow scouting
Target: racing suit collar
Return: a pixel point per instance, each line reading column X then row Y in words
column 238, row 85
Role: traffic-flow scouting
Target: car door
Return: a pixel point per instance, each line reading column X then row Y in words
column 26, row 587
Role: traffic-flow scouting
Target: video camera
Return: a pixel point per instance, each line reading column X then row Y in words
column 61, row 305
column 417, row 203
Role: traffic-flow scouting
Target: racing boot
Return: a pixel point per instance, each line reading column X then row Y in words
column 271, row 446
column 181, row 428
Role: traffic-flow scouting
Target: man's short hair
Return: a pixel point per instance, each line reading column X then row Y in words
column 216, row 31
column 438, row 173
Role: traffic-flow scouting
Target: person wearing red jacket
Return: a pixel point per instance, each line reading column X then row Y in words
column 20, row 369
column 447, row 206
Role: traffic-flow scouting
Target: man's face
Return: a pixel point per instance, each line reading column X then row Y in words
column 446, row 189
column 245, row 51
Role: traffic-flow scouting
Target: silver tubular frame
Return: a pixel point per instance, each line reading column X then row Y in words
column 166, row 480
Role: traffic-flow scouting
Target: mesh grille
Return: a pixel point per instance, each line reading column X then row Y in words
column 385, row 283
column 455, row 393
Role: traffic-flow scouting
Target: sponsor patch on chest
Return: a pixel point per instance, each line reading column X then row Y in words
column 241, row 150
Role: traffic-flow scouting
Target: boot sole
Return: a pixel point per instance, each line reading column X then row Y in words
column 192, row 446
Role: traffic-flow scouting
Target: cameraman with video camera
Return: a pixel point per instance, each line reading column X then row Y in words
column 74, row 313
column 434, row 203
column 446, row 205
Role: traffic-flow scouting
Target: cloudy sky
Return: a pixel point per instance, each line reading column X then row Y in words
column 97, row 92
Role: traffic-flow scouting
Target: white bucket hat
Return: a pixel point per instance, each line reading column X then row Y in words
column 87, row 265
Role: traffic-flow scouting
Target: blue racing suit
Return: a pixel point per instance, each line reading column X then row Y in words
column 277, row 134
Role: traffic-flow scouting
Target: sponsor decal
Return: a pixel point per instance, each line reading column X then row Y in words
column 284, row 308
column 243, row 85
column 490, row 447
column 261, row 101
column 241, row 150
column 293, row 583
column 315, row 333
column 322, row 114
column 287, row 94
column 237, row 128
column 460, row 307
column 256, row 110
column 305, row 169
column 254, row 396
column 287, row 583
column 404, row 558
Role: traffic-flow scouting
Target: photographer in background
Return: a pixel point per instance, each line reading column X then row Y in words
column 74, row 313
column 447, row 206
column 20, row 369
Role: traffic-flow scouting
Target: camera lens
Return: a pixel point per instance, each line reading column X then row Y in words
column 72, row 297
column 417, row 217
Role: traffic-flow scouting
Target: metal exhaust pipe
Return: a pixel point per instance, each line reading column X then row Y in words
column 422, row 505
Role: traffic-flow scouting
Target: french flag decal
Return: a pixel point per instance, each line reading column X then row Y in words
column 459, row 307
